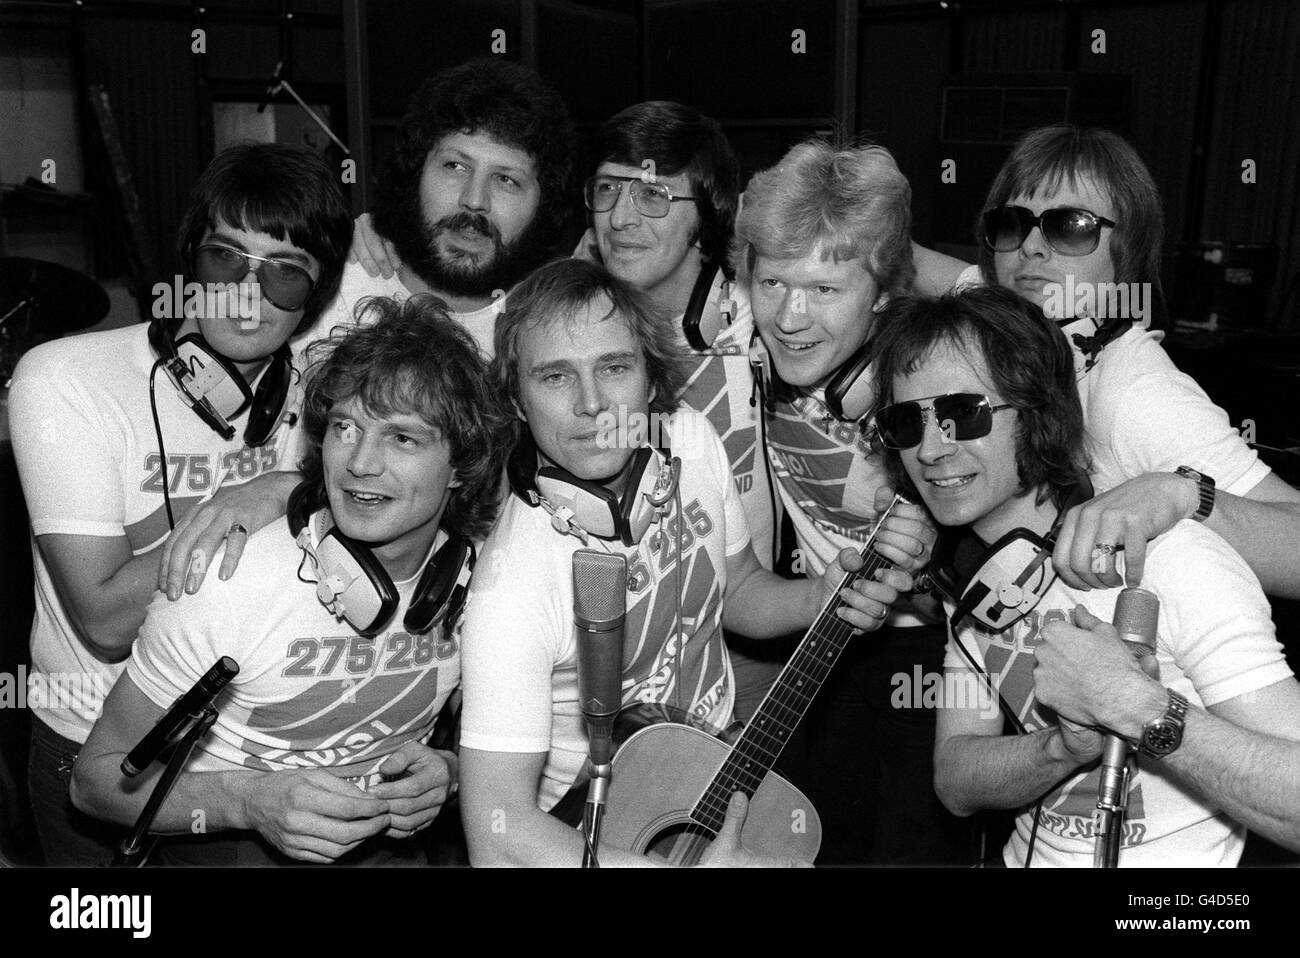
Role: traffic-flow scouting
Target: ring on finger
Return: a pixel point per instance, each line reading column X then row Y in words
column 236, row 528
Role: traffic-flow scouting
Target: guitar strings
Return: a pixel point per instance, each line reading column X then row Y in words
column 733, row 775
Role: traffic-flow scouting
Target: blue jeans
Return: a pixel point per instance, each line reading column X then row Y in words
column 69, row 837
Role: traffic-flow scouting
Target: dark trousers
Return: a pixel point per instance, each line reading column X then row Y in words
column 868, row 767
column 69, row 837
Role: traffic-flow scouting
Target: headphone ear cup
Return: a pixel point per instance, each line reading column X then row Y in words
column 593, row 507
column 364, row 594
column 849, row 394
column 435, row 593
column 269, row 399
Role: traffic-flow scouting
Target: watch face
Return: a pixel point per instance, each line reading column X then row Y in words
column 1161, row 739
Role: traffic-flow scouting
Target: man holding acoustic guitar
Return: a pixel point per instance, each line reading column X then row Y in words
column 583, row 361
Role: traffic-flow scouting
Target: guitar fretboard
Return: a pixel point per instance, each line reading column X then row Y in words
column 760, row 745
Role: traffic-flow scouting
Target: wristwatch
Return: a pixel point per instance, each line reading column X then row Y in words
column 1161, row 736
column 1204, row 488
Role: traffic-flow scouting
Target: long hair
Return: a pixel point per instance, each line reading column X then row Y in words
column 414, row 358
column 284, row 191
column 1028, row 361
column 682, row 140
column 849, row 203
column 558, row 291
column 1044, row 160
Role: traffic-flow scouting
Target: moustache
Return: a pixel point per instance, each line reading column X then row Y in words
column 464, row 221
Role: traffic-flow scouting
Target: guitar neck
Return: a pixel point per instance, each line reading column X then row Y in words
column 785, row 704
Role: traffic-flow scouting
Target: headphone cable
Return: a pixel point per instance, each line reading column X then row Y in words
column 162, row 452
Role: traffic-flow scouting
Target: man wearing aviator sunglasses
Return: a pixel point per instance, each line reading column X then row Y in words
column 286, row 285
column 1219, row 661
column 110, row 454
column 1079, row 206
column 959, row 416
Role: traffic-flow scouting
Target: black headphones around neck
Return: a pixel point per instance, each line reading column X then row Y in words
column 210, row 384
column 999, row 584
column 701, row 330
column 354, row 584
column 582, row 507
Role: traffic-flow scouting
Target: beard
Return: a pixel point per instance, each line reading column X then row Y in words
column 423, row 248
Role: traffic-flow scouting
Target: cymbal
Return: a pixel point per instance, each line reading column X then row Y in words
column 64, row 300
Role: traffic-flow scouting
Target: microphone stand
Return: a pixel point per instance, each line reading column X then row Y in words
column 1112, row 803
column 139, row 844
column 593, row 812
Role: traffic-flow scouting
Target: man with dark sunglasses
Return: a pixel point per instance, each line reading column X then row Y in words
column 979, row 415
column 1077, row 210
column 120, row 435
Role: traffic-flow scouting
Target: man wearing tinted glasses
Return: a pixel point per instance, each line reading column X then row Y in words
column 979, row 415
column 1074, row 208
column 662, row 205
column 120, row 435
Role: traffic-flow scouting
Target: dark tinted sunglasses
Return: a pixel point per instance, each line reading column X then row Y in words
column 960, row 416
column 1067, row 229
column 284, row 284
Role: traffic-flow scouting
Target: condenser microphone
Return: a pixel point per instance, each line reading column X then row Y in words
column 177, row 720
column 599, row 610
column 1137, row 613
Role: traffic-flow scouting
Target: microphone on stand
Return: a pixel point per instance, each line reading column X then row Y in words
column 184, row 713
column 1137, row 613
column 599, row 612
column 272, row 88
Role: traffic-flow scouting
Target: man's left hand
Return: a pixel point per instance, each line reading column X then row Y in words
column 414, row 800
column 867, row 600
column 906, row 538
column 1088, row 675
column 1125, row 519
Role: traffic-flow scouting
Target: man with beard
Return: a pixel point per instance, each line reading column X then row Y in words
column 474, row 195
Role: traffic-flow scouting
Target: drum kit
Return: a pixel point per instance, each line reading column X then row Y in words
column 41, row 301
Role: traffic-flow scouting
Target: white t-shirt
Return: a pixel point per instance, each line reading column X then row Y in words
column 357, row 284
column 1143, row 415
column 311, row 692
column 520, row 653
column 89, row 463
column 1215, row 641
column 721, row 385
column 828, row 475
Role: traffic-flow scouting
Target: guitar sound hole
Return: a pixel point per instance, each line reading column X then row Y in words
column 682, row 844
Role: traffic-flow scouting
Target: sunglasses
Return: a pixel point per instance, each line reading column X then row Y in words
column 601, row 193
column 960, row 416
column 1068, row 230
column 285, row 285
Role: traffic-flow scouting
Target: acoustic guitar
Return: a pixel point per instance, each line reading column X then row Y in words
column 670, row 783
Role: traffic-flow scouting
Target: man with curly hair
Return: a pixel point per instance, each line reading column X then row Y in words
column 475, row 193
column 318, row 751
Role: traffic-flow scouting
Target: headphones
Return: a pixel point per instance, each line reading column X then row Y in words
column 354, row 585
column 998, row 584
column 848, row 392
column 1091, row 346
column 702, row 330
column 584, row 508
column 217, row 392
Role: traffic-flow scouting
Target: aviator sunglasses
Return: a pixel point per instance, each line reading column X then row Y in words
column 286, row 285
column 902, row 425
column 1068, row 230
column 601, row 193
